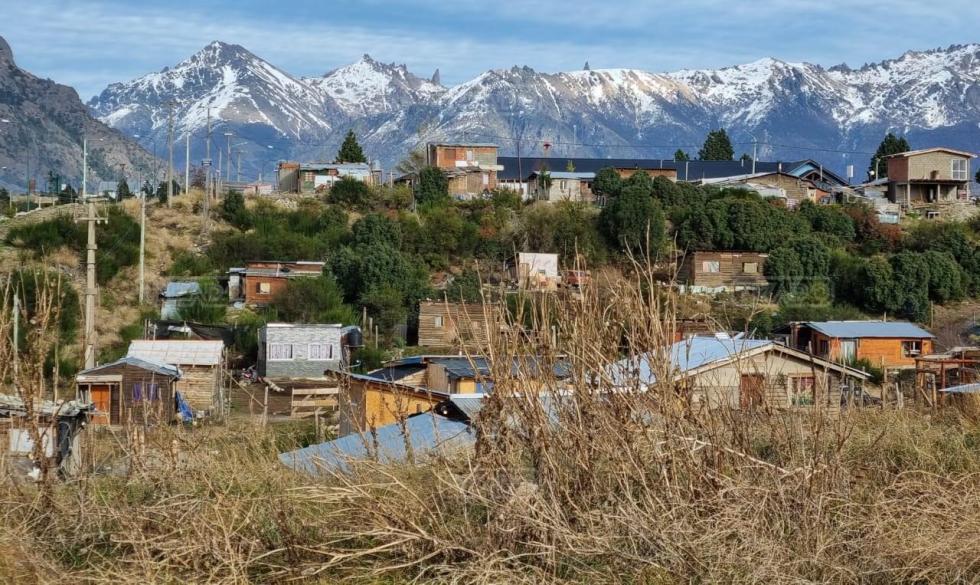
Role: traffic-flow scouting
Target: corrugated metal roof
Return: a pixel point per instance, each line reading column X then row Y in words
column 963, row 389
column 176, row 290
column 178, row 352
column 857, row 329
column 567, row 175
column 428, row 434
column 685, row 355
column 149, row 365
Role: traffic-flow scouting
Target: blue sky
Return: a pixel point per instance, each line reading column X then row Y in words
column 89, row 44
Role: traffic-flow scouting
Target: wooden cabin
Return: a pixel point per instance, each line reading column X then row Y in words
column 201, row 364
column 722, row 271
column 456, row 325
column 369, row 402
column 886, row 344
column 130, row 390
column 725, row 372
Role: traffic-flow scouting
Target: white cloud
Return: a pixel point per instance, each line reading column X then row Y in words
column 89, row 45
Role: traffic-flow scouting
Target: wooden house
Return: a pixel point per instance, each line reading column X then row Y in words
column 130, row 390
column 259, row 282
column 721, row 271
column 886, row 344
column 371, row 402
column 724, row 372
column 201, row 364
column 470, row 167
column 456, row 325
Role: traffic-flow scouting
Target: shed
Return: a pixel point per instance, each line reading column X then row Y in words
column 175, row 296
column 201, row 364
column 60, row 425
column 130, row 390
column 294, row 350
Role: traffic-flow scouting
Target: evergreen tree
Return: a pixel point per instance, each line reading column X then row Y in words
column 4, row 196
column 586, row 68
column 433, row 186
column 607, row 183
column 350, row 151
column 681, row 156
column 717, row 146
column 122, row 190
column 635, row 218
column 890, row 145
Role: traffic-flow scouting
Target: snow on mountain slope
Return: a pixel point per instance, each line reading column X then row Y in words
column 368, row 88
column 932, row 95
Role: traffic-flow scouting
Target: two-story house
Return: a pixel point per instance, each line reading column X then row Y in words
column 929, row 181
column 471, row 168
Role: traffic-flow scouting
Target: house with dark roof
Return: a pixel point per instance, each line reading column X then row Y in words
column 886, row 344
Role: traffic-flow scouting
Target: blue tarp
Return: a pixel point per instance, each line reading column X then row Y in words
column 183, row 409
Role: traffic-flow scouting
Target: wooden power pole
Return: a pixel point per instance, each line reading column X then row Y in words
column 91, row 218
column 170, row 150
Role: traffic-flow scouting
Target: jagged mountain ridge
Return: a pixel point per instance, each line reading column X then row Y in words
column 795, row 109
column 42, row 125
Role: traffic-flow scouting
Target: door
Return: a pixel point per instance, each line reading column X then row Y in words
column 751, row 390
column 100, row 395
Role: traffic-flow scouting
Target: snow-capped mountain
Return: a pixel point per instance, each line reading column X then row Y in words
column 370, row 88
column 795, row 110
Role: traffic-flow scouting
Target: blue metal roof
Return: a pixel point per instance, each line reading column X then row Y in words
column 685, row 355
column 858, row 329
column 181, row 289
column 428, row 434
column 963, row 389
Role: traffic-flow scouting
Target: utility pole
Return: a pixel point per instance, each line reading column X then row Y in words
column 228, row 136
column 90, row 287
column 170, row 150
column 16, row 337
column 187, row 163
column 206, row 207
column 84, row 167
column 755, row 151
column 238, row 167
column 142, row 246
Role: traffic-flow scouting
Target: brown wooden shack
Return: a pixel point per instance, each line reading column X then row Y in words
column 719, row 271
column 129, row 390
column 456, row 325
column 201, row 364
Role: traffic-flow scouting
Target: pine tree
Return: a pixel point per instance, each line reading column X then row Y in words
column 680, row 155
column 350, row 151
column 122, row 190
column 717, row 146
column 890, row 145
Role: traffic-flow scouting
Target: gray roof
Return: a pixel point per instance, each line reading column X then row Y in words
column 857, row 329
column 176, row 290
column 685, row 355
column 428, row 433
column 178, row 352
column 14, row 405
column 142, row 363
column 566, row 175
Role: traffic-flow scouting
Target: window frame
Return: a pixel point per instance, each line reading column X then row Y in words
column 270, row 353
column 755, row 269
column 716, row 264
column 438, row 322
column 908, row 345
column 328, row 353
column 954, row 173
column 263, row 287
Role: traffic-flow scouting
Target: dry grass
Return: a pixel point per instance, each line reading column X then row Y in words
column 627, row 487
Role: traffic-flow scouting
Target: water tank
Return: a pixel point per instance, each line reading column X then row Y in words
column 355, row 338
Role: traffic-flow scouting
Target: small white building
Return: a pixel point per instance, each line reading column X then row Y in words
column 293, row 350
column 531, row 270
column 561, row 186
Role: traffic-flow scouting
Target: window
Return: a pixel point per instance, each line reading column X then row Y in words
column 932, row 214
column 143, row 391
column 438, row 321
column 712, row 266
column 912, row 348
column 264, row 288
column 320, row 352
column 280, row 351
column 801, row 390
column 563, row 185
column 750, row 267
column 959, row 169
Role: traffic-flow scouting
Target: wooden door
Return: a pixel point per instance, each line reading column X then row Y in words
column 751, row 390
column 100, row 395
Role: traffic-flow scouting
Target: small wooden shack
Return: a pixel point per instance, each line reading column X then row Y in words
column 201, row 364
column 456, row 325
column 367, row 402
column 721, row 271
column 130, row 390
